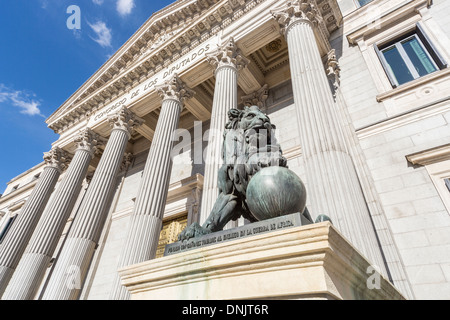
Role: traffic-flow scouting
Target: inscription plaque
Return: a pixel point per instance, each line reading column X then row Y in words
column 252, row 229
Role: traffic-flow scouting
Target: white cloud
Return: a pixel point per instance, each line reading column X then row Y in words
column 103, row 33
column 28, row 107
column 44, row 4
column 20, row 99
column 77, row 33
column 98, row 2
column 124, row 7
column 4, row 95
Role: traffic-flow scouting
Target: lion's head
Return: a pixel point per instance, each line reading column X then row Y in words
column 253, row 118
column 252, row 124
column 249, row 145
column 249, row 138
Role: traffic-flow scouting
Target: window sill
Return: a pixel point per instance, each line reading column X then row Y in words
column 413, row 84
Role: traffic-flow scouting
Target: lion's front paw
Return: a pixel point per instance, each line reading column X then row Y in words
column 193, row 231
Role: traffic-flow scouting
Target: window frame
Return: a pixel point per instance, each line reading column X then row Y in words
column 6, row 227
column 439, row 172
column 447, row 183
column 437, row 164
column 431, row 51
column 359, row 5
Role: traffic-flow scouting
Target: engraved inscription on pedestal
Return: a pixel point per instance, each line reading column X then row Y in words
column 253, row 229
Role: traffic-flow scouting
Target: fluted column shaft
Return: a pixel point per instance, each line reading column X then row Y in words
column 225, row 98
column 228, row 61
column 33, row 265
column 333, row 185
column 72, row 265
column 144, row 230
column 17, row 238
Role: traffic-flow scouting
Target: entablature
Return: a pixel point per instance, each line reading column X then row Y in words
column 166, row 38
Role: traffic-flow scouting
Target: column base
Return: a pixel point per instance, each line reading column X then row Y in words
column 28, row 277
column 5, row 275
column 306, row 262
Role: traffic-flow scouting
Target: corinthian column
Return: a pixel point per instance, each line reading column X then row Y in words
column 146, row 221
column 227, row 60
column 17, row 238
column 333, row 185
column 72, row 265
column 31, row 269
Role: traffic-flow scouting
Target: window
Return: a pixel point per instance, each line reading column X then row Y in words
column 410, row 57
column 361, row 3
column 7, row 226
column 437, row 163
column 13, row 189
column 447, row 183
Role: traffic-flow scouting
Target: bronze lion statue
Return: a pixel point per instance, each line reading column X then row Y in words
column 249, row 144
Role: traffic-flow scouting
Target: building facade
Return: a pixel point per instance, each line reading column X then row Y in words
column 359, row 91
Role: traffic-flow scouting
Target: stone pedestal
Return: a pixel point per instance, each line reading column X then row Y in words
column 307, row 262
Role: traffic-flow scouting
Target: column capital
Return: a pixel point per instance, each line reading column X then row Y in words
column 127, row 160
column 257, row 98
column 125, row 120
column 88, row 140
column 56, row 158
column 174, row 89
column 333, row 69
column 296, row 11
column 227, row 55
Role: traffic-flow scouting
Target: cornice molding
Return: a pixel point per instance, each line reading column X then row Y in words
column 18, row 192
column 16, row 206
column 430, row 156
column 184, row 25
column 428, row 110
column 166, row 36
column 391, row 16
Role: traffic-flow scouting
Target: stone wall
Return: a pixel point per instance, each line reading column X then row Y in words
column 418, row 219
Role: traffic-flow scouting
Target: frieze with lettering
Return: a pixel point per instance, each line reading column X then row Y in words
column 180, row 65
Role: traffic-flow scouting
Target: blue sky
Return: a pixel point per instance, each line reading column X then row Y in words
column 42, row 62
